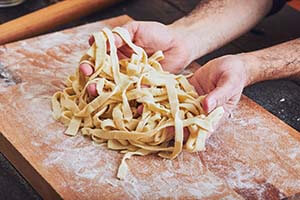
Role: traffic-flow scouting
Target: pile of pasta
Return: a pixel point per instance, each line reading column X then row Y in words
column 112, row 118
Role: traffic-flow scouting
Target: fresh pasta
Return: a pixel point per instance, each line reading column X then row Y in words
column 112, row 117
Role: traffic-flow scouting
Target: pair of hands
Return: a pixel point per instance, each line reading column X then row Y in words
column 222, row 79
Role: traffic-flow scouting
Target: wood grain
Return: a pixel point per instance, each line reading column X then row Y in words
column 48, row 18
column 252, row 155
column 19, row 161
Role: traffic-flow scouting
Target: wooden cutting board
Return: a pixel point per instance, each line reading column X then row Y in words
column 252, row 155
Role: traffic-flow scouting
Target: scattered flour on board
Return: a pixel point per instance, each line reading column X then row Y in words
column 90, row 163
column 84, row 160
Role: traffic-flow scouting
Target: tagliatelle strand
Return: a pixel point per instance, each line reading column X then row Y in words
column 124, row 85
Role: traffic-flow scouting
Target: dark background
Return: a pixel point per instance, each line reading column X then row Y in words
column 280, row 97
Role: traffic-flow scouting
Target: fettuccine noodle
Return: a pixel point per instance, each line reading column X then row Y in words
column 112, row 117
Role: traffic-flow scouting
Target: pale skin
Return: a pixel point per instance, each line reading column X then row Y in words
column 228, row 75
column 212, row 24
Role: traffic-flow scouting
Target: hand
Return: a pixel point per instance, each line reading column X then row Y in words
column 152, row 36
column 223, row 80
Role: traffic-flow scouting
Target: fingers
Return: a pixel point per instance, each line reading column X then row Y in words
column 118, row 41
column 131, row 27
column 92, row 91
column 170, row 129
column 220, row 95
column 197, row 86
column 126, row 51
column 186, row 133
column 216, row 98
column 171, row 132
column 86, row 69
column 140, row 109
column 91, row 40
column 121, row 55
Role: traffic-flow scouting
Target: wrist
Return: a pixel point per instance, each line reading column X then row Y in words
column 251, row 65
column 192, row 40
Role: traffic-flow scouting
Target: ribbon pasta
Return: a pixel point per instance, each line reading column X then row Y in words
column 112, row 117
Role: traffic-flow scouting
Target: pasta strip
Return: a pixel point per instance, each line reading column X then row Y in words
column 137, row 103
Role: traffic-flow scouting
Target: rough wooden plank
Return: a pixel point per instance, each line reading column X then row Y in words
column 79, row 175
column 92, row 18
column 254, row 167
column 22, row 164
column 230, row 151
column 142, row 11
column 10, row 13
column 155, row 10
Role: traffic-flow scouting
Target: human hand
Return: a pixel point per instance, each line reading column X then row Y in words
column 151, row 36
column 223, row 80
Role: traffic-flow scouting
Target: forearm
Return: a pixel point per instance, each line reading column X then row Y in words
column 214, row 23
column 280, row 61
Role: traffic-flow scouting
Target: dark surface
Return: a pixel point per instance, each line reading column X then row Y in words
column 281, row 97
column 12, row 185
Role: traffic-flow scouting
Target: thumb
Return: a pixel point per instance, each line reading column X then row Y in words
column 118, row 41
column 132, row 28
column 219, row 96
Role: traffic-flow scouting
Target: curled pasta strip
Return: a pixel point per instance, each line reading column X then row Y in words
column 123, row 85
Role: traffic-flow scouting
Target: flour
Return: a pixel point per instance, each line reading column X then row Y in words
column 82, row 160
column 75, row 155
column 52, row 40
column 254, row 142
column 246, row 122
column 85, row 170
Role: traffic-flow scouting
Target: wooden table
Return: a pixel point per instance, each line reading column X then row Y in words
column 281, row 97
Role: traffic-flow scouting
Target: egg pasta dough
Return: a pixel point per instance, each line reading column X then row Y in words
column 112, row 117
